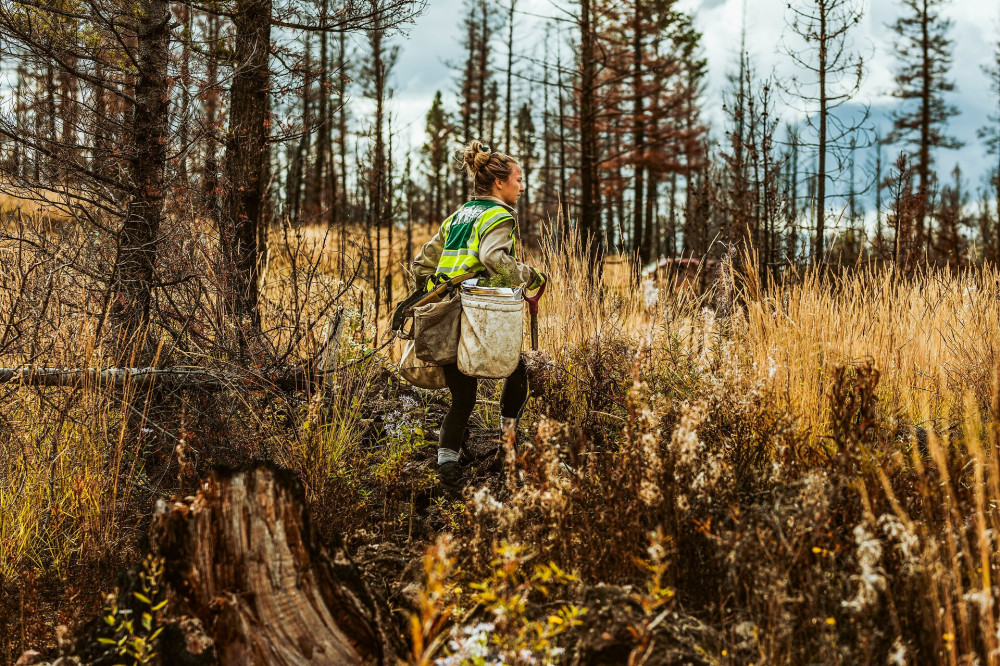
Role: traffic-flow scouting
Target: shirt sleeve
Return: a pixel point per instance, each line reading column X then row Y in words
column 426, row 261
column 495, row 249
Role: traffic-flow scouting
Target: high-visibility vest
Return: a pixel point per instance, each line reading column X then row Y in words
column 463, row 231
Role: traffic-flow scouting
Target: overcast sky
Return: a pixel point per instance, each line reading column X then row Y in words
column 435, row 41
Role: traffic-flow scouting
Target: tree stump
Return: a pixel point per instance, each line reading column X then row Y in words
column 242, row 558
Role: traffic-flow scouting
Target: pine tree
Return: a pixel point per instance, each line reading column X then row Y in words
column 526, row 141
column 185, row 17
column 436, row 154
column 109, row 157
column 990, row 133
column 695, row 131
column 210, row 107
column 300, row 151
column 950, row 244
column 138, row 240
column 590, row 192
column 243, row 224
column 376, row 72
column 923, row 48
column 343, row 203
column 831, row 75
column 509, row 100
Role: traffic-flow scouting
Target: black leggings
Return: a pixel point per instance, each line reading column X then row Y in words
column 463, row 401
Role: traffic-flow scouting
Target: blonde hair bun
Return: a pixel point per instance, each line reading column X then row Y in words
column 477, row 154
column 484, row 167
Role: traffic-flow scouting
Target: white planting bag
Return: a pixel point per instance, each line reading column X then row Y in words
column 492, row 330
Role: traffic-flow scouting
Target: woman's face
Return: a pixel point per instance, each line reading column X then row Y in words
column 508, row 191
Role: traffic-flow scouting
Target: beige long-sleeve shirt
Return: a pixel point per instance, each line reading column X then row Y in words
column 495, row 249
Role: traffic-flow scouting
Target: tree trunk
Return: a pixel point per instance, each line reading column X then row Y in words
column 590, row 196
column 926, row 100
column 510, row 73
column 670, row 250
column 210, row 178
column 50, row 116
column 525, row 221
column 69, row 119
column 390, row 218
column 546, row 194
column 246, row 159
column 651, row 240
column 467, row 92
column 20, row 120
column 133, row 272
column 409, row 210
column 641, row 246
column 563, row 223
column 341, row 205
column 482, row 69
column 184, row 130
column 377, row 200
column 323, row 176
column 821, row 171
column 242, row 558
column 298, row 160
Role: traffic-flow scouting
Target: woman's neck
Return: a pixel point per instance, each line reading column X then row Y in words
column 496, row 200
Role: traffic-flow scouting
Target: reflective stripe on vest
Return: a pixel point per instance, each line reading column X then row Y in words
column 463, row 232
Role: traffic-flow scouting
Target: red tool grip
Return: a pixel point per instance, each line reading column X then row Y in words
column 533, row 300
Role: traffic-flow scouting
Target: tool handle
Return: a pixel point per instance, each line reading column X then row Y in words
column 533, row 300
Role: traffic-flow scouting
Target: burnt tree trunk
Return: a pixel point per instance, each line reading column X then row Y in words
column 133, row 272
column 246, row 159
column 590, row 196
column 641, row 241
column 242, row 558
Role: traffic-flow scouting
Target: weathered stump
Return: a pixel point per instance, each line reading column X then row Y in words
column 243, row 558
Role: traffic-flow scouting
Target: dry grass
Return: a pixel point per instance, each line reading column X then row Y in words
column 817, row 458
column 933, row 338
column 50, row 206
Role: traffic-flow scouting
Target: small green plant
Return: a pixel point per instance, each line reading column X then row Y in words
column 503, row 277
column 136, row 642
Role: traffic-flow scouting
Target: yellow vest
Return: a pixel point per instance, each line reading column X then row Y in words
column 463, row 231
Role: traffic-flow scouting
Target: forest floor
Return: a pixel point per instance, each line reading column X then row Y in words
column 793, row 470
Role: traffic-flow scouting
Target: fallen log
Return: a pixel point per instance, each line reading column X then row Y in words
column 242, row 558
column 204, row 379
column 142, row 378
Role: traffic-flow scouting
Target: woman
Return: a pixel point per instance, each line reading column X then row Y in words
column 480, row 237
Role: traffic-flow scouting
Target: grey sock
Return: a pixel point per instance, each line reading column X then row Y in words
column 446, row 455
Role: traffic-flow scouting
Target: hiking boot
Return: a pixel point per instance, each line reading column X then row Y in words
column 450, row 474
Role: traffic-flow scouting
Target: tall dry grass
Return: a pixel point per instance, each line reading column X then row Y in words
column 818, row 456
column 933, row 337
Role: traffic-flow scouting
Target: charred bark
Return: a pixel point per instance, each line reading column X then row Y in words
column 242, row 558
column 133, row 274
column 246, row 160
